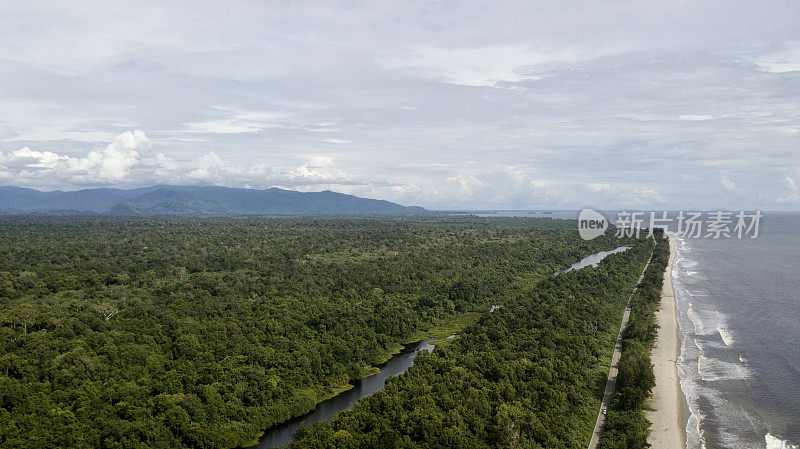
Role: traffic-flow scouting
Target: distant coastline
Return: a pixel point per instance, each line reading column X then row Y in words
column 668, row 429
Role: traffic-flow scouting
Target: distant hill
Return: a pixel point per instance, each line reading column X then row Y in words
column 193, row 200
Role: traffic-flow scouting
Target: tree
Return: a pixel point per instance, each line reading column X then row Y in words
column 107, row 310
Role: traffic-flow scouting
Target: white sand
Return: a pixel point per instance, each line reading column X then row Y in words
column 668, row 430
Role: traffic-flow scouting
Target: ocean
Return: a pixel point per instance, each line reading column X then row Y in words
column 739, row 321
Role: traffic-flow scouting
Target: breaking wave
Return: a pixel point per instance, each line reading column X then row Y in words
column 713, row 370
column 774, row 442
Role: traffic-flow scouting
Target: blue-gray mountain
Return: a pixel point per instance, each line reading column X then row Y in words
column 193, row 200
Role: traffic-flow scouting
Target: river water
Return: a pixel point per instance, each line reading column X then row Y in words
column 593, row 260
column 281, row 434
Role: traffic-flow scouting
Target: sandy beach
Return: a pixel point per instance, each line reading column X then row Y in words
column 668, row 430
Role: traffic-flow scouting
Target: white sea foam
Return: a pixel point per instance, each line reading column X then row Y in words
column 723, row 329
column 705, row 321
column 688, row 263
column 712, row 370
column 725, row 335
column 734, row 423
column 774, row 442
column 697, row 294
column 708, row 323
column 699, row 372
column 694, row 430
column 687, row 374
column 690, row 347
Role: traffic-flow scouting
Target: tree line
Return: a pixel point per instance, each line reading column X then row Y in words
column 529, row 375
column 626, row 426
column 185, row 332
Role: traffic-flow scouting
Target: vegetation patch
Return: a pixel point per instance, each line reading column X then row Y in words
column 185, row 332
column 527, row 375
column 626, row 426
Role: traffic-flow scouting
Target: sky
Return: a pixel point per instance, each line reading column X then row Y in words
column 445, row 105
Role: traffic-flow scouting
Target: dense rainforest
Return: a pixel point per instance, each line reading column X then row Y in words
column 529, row 375
column 185, row 332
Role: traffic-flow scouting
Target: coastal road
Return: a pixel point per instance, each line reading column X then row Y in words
column 612, row 373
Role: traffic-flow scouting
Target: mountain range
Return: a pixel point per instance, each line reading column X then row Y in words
column 193, row 201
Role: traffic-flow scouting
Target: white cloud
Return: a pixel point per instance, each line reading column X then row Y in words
column 729, row 185
column 669, row 118
column 695, row 118
column 107, row 165
column 209, row 167
column 481, row 66
column 165, row 162
column 782, row 62
column 320, row 161
column 248, row 122
column 113, row 162
column 128, row 161
column 484, row 188
column 598, row 187
column 257, row 121
column 317, row 171
column 489, row 66
column 671, row 97
column 793, row 196
column 646, row 195
column 32, row 159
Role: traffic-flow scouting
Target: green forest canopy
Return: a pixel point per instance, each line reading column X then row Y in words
column 181, row 332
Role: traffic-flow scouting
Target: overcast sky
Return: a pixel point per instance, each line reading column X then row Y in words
column 504, row 105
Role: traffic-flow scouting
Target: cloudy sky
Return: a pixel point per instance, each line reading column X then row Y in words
column 502, row 105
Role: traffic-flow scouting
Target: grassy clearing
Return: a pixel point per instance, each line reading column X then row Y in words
column 446, row 327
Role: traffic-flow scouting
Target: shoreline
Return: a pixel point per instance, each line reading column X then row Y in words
column 668, row 430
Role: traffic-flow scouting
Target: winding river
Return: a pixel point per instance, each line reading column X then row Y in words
column 593, row 260
column 281, row 434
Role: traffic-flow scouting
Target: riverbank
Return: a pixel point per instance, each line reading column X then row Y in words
column 282, row 434
column 669, row 428
column 372, row 378
column 438, row 331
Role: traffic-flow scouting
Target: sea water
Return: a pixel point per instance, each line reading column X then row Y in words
column 739, row 320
